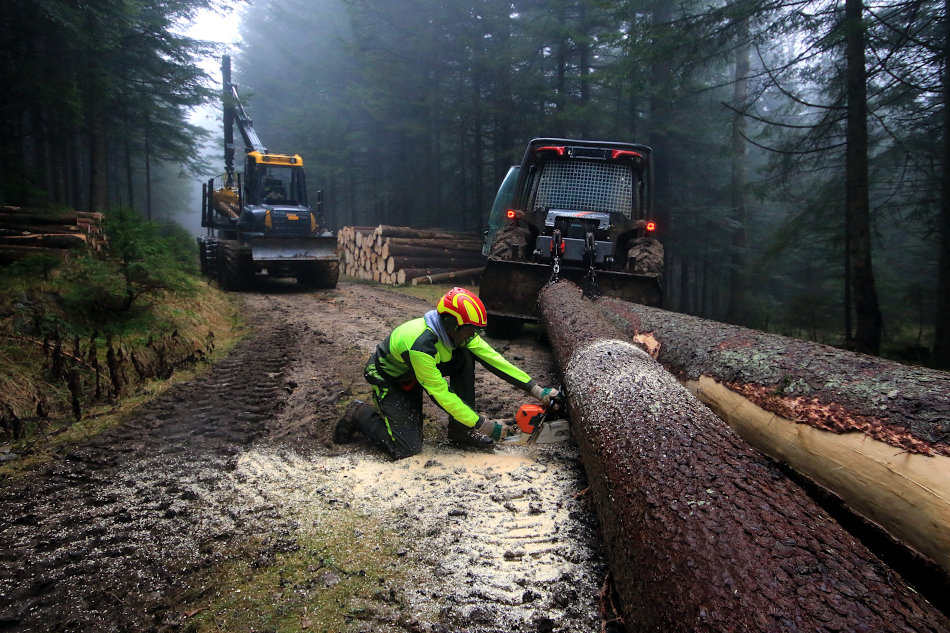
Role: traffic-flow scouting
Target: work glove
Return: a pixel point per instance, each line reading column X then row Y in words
column 495, row 429
column 545, row 394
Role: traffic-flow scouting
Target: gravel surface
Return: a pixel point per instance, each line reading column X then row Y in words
column 111, row 536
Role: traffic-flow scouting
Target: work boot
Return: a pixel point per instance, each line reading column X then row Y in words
column 347, row 426
column 467, row 437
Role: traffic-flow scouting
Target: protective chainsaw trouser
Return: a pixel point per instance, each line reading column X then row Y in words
column 394, row 423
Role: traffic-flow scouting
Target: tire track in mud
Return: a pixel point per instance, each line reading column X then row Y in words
column 108, row 538
column 98, row 540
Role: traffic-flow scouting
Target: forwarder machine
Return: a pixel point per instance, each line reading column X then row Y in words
column 260, row 220
column 577, row 210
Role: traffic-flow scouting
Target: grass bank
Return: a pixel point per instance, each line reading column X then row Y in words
column 87, row 335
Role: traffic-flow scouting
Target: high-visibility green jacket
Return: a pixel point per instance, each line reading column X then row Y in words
column 414, row 350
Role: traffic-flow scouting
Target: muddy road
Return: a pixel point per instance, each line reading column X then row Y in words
column 235, row 470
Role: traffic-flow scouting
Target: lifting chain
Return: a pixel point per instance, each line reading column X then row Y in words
column 591, row 291
column 556, row 245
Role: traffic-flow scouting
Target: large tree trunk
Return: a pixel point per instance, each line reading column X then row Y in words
column 941, row 352
column 703, row 533
column 737, row 264
column 874, row 432
column 867, row 337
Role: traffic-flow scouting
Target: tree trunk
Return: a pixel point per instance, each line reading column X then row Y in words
column 941, row 351
column 703, row 533
column 867, row 337
column 840, row 418
column 737, row 277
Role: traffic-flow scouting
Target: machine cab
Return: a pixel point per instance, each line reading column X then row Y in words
column 274, row 179
column 586, row 199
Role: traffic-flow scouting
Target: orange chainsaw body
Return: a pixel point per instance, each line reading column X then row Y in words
column 528, row 417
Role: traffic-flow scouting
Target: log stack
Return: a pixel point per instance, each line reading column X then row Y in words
column 25, row 232
column 400, row 255
column 704, row 533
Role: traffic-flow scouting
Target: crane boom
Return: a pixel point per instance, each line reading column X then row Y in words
column 234, row 112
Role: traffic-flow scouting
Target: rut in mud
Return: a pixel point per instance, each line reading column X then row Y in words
column 238, row 463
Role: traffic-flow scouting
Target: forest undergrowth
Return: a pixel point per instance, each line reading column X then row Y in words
column 85, row 336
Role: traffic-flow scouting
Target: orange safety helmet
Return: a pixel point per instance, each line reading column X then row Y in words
column 465, row 306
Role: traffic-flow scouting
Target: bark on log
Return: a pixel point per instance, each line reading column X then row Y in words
column 362, row 250
column 388, row 249
column 470, row 243
column 396, row 263
column 406, row 275
column 872, row 432
column 468, row 273
column 704, row 534
column 905, row 406
column 41, row 218
column 47, row 240
column 384, row 230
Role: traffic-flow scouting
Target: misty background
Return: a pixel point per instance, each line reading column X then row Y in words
column 409, row 112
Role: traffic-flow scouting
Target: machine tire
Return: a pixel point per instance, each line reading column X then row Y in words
column 321, row 274
column 236, row 269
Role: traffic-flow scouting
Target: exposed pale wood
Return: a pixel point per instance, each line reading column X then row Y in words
column 834, row 389
column 362, row 249
column 704, row 533
column 906, row 494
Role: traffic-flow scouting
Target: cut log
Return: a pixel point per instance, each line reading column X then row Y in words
column 406, row 275
column 396, row 263
column 872, row 432
column 467, row 274
column 37, row 218
column 48, row 240
column 472, row 243
column 388, row 249
column 406, row 231
column 703, row 533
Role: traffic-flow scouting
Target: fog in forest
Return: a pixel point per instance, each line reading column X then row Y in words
column 768, row 193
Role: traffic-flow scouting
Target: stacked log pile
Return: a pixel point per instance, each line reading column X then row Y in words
column 401, row 255
column 873, row 432
column 704, row 533
column 25, row 232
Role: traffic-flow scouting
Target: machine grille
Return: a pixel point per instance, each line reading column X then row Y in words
column 296, row 222
column 586, row 186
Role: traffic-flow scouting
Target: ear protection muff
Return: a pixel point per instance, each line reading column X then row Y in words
column 449, row 322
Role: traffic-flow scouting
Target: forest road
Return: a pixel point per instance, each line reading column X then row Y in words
column 238, row 463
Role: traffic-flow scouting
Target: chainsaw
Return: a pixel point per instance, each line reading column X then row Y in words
column 539, row 424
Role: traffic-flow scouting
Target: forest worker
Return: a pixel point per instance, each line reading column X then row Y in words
column 417, row 356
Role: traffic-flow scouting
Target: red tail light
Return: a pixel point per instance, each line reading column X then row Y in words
column 651, row 226
column 557, row 149
column 624, row 153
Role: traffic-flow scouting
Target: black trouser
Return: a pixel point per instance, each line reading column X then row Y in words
column 394, row 424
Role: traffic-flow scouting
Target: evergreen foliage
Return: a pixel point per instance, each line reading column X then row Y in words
column 94, row 91
column 411, row 111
